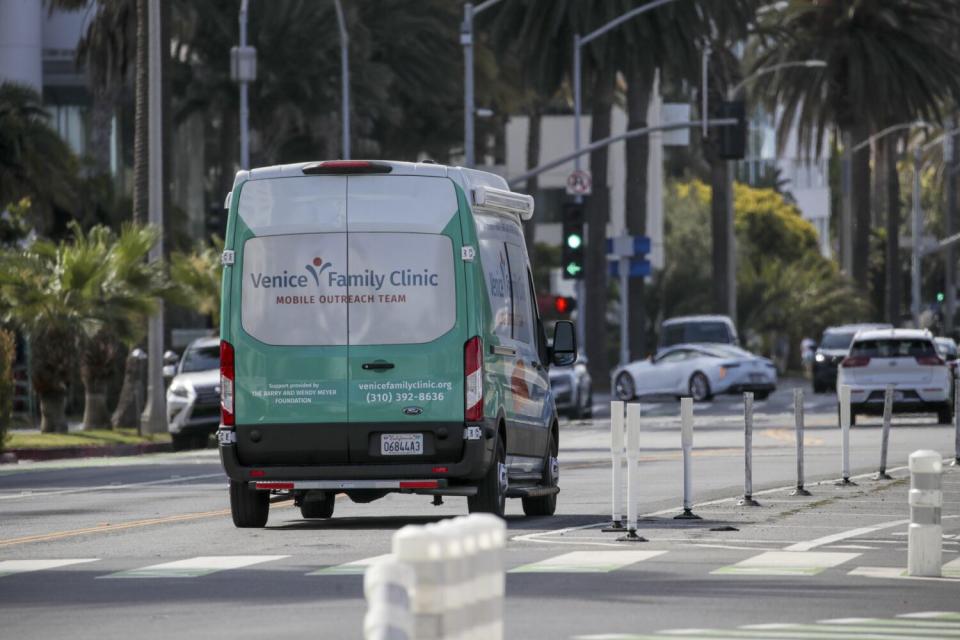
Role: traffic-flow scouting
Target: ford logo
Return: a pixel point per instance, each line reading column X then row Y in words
column 412, row 411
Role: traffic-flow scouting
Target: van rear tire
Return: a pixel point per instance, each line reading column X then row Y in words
column 319, row 508
column 492, row 491
column 544, row 505
column 249, row 508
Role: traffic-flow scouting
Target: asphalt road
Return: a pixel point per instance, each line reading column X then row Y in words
column 121, row 521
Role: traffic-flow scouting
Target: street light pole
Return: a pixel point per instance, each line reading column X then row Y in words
column 916, row 231
column 344, row 78
column 154, row 418
column 469, row 108
column 950, row 264
column 244, row 95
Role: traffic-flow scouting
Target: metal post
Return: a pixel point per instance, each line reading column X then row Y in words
column 956, row 423
column 466, row 39
column 950, row 222
column 798, row 430
column 577, row 107
column 686, row 443
column 244, row 95
column 344, row 78
column 616, row 459
column 846, row 216
column 731, row 245
column 925, row 535
column 747, row 499
column 154, row 417
column 624, row 310
column 845, row 437
column 917, row 233
column 885, row 434
column 633, row 460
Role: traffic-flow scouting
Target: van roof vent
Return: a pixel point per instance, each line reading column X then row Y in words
column 345, row 167
column 502, row 201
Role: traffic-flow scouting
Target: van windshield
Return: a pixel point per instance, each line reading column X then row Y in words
column 700, row 331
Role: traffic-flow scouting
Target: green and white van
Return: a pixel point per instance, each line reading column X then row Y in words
column 379, row 334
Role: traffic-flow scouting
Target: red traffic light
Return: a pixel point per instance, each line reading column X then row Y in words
column 564, row 304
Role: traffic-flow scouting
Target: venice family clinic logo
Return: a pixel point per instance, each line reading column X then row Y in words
column 319, row 264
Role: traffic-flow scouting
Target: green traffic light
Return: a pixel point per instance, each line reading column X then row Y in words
column 574, row 241
column 573, row 268
column 940, row 297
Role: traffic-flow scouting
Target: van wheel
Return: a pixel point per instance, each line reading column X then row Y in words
column 624, row 387
column 545, row 505
column 249, row 508
column 319, row 508
column 492, row 492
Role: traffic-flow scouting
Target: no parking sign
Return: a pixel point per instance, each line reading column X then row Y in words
column 579, row 183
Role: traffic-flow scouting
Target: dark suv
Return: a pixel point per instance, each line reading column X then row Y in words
column 832, row 349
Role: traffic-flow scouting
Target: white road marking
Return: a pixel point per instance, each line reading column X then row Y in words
column 786, row 563
column 30, row 493
column 587, row 562
column 194, row 567
column 932, row 615
column 952, row 569
column 357, row 567
column 844, row 535
column 10, row 567
column 896, row 572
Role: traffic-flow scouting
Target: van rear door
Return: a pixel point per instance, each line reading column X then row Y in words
column 287, row 326
column 407, row 319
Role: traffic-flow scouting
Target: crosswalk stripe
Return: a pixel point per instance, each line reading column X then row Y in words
column 799, row 632
column 356, row 567
column 787, row 563
column 587, row 562
column 10, row 567
column 952, row 569
column 949, row 628
column 194, row 567
column 932, row 615
column 901, row 573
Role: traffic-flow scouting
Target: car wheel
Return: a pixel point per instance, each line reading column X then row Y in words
column 699, row 387
column 945, row 414
column 624, row 387
column 249, row 508
column 588, row 410
column 491, row 494
column 545, row 505
column 313, row 507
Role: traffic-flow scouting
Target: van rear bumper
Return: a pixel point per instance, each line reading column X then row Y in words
column 476, row 459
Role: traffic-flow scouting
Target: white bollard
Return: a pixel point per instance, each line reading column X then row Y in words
column 633, row 472
column 491, row 540
column 925, row 536
column 455, row 570
column 747, row 499
column 387, row 586
column 845, row 438
column 798, row 430
column 616, row 459
column 885, row 433
column 686, row 444
column 422, row 550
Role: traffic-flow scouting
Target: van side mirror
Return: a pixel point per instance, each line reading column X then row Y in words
column 169, row 370
column 564, row 350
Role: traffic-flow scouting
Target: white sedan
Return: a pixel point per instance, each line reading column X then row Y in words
column 696, row 370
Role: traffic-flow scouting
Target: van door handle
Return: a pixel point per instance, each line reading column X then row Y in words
column 503, row 351
column 379, row 365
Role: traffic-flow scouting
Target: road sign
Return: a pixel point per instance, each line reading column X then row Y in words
column 579, row 183
column 626, row 246
column 639, row 268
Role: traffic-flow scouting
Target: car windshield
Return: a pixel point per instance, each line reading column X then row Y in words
column 836, row 340
column 893, row 348
column 201, row 359
column 684, row 332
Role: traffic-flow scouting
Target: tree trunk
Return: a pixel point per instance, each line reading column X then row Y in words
column 860, row 193
column 96, row 360
column 533, row 160
column 53, row 417
column 597, row 214
column 140, row 168
column 639, row 89
column 893, row 231
column 132, row 394
column 878, row 193
column 96, row 415
column 101, row 126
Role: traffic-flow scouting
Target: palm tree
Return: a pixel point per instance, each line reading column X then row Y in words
column 74, row 300
column 197, row 278
column 887, row 61
column 35, row 162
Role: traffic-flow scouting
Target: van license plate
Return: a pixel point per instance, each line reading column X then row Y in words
column 401, row 444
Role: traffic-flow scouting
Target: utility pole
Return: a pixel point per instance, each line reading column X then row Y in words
column 950, row 154
column 469, row 108
column 344, row 78
column 154, row 418
column 917, row 232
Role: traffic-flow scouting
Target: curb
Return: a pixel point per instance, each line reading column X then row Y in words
column 94, row 451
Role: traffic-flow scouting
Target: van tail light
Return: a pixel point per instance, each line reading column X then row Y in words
column 855, row 361
column 473, row 380
column 346, row 167
column 930, row 360
column 227, row 378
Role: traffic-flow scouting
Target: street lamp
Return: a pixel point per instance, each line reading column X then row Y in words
column 469, row 111
column 243, row 70
column 344, row 78
column 730, row 277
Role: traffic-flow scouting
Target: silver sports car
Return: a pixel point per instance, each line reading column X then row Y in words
column 696, row 370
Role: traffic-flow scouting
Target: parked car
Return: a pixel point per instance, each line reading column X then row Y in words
column 696, row 370
column 573, row 389
column 381, row 334
column 947, row 348
column 193, row 397
column 833, row 347
column 904, row 358
column 697, row 330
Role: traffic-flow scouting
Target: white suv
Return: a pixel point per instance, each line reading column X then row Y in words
column 904, row 358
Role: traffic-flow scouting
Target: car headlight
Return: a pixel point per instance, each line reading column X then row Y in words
column 180, row 391
column 819, row 357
